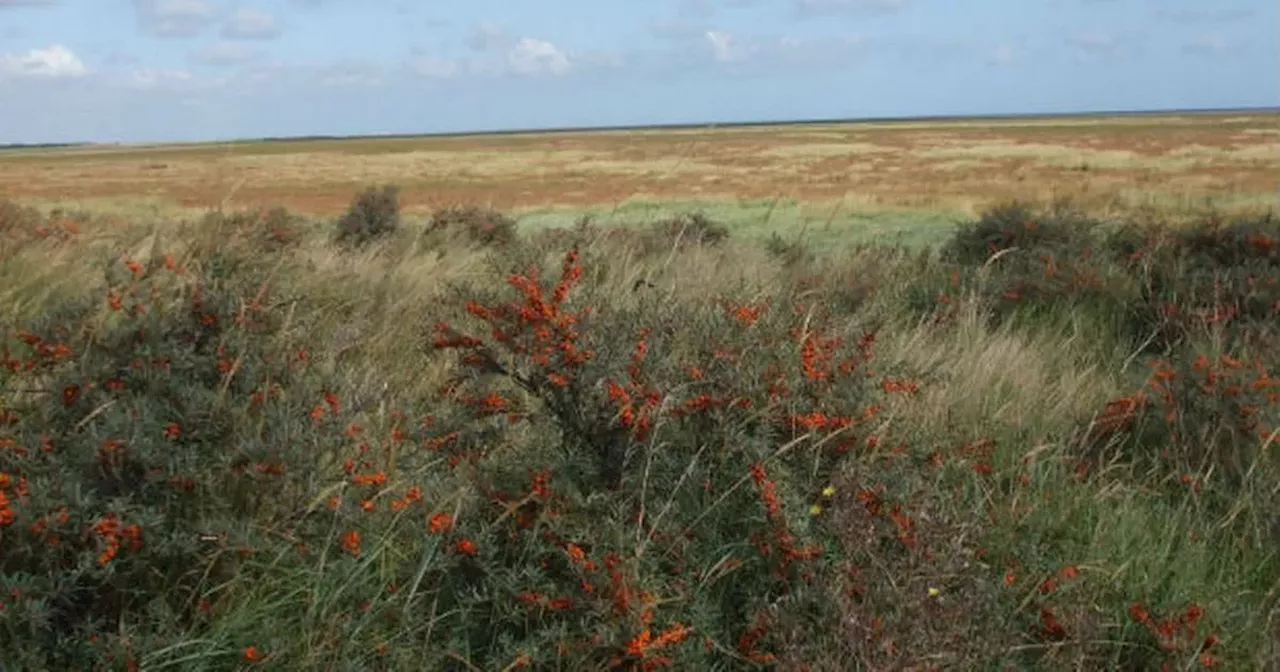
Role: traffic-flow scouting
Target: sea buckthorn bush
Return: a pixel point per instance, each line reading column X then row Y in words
column 22, row 226
column 669, row 451
column 271, row 230
column 137, row 420
column 1021, row 225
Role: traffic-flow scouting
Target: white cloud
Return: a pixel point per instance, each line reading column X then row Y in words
column 533, row 57
column 52, row 62
column 502, row 53
column 723, row 46
column 251, row 24
column 174, row 18
column 761, row 53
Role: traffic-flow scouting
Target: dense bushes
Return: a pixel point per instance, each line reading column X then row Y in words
column 599, row 477
column 1202, row 304
column 156, row 413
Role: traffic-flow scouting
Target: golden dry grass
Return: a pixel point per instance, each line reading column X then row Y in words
column 1229, row 160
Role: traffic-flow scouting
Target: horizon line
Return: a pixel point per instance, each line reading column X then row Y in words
column 675, row 126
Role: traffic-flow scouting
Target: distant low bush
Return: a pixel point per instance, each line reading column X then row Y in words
column 692, row 229
column 788, row 252
column 373, row 214
column 1019, row 225
column 478, row 225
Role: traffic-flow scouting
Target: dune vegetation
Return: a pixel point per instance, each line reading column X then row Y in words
column 257, row 438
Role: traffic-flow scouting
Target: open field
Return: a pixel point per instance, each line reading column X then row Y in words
column 852, row 176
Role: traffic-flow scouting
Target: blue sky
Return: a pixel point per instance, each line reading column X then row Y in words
column 154, row 70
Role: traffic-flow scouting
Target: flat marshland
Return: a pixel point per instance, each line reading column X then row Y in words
column 911, row 395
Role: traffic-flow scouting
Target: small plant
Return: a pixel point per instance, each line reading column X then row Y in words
column 21, row 224
column 483, row 226
column 691, row 229
column 283, row 228
column 787, row 252
column 372, row 215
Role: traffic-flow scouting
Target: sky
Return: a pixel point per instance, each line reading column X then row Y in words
column 179, row 70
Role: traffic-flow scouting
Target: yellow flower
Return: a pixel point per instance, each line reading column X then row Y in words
column 934, row 592
column 815, row 509
column 829, row 491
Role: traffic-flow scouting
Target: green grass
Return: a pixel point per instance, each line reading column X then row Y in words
column 838, row 223
column 971, row 511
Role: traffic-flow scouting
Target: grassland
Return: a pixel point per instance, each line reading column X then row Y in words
column 1045, row 440
column 859, row 177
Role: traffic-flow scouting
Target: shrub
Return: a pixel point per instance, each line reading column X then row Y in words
column 788, row 252
column 1242, row 242
column 690, row 229
column 1209, row 307
column 283, row 228
column 16, row 218
column 269, row 230
column 482, row 226
column 724, row 451
column 1209, row 278
column 1018, row 224
column 21, row 225
column 373, row 214
column 149, row 417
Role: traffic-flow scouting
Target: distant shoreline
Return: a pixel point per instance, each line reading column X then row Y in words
column 668, row 127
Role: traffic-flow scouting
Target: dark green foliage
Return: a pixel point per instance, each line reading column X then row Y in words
column 1018, row 225
column 372, row 215
column 167, row 411
column 788, row 252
